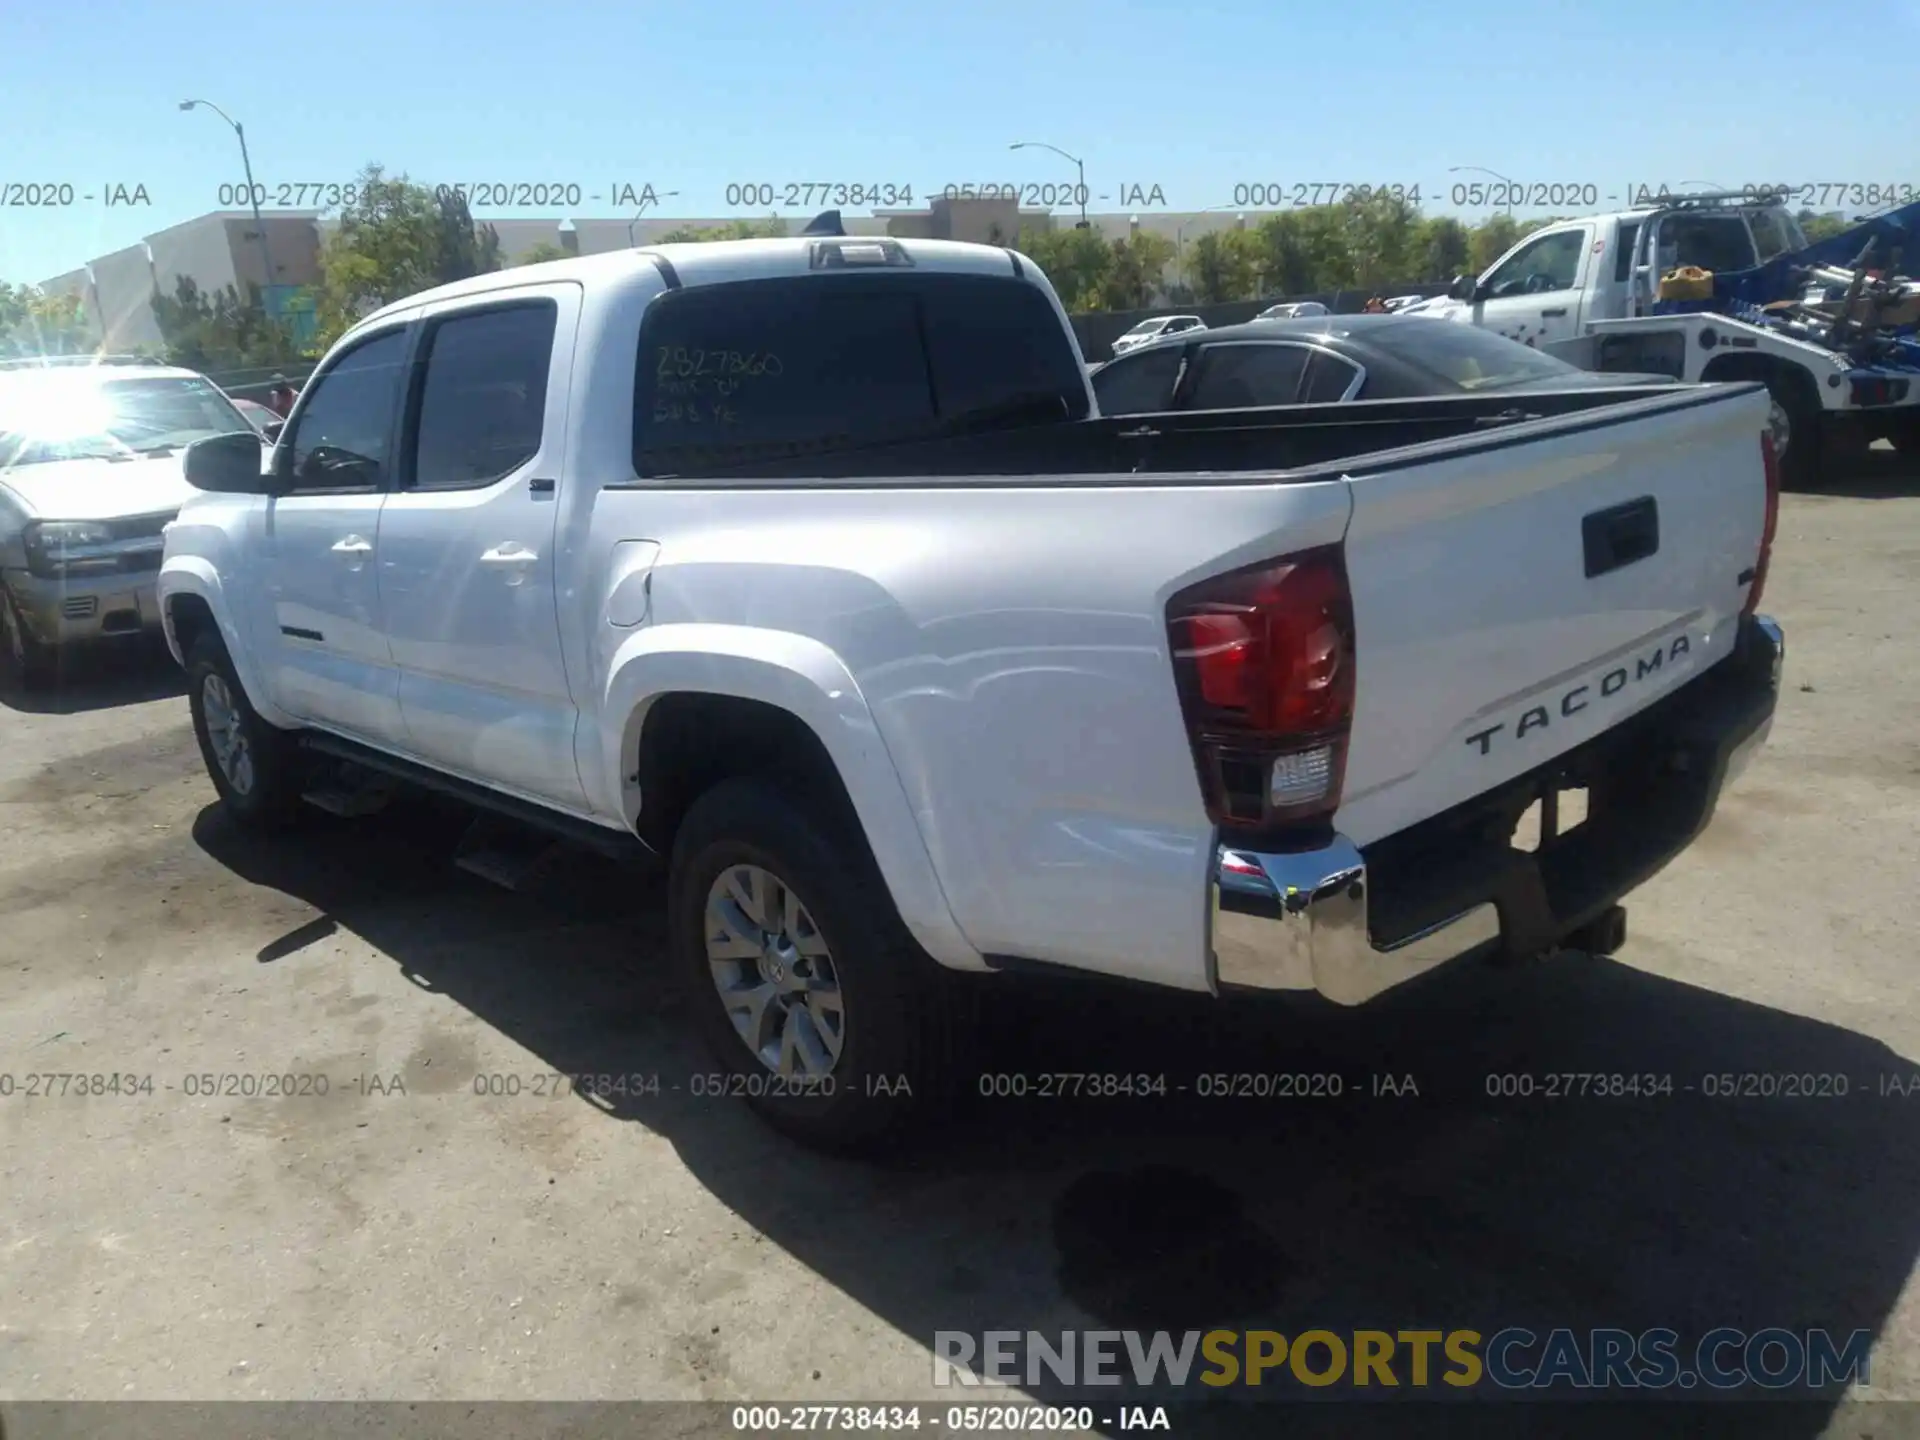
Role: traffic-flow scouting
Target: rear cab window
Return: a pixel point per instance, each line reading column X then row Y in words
column 1719, row 243
column 750, row 370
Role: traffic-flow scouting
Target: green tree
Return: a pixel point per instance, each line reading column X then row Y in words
column 1076, row 261
column 772, row 228
column 218, row 331
column 1224, row 265
column 1446, row 248
column 35, row 323
column 1490, row 240
column 1135, row 271
column 1822, row 227
column 1383, row 234
column 540, row 254
column 395, row 240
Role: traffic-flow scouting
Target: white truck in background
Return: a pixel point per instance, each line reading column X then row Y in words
column 1586, row 290
column 776, row 560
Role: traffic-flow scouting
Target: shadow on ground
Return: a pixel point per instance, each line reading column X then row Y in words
column 102, row 678
column 1881, row 474
column 1443, row 1209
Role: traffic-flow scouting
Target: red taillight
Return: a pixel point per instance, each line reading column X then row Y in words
column 1772, row 460
column 1264, row 659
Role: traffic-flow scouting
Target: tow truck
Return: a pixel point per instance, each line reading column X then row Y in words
column 1723, row 286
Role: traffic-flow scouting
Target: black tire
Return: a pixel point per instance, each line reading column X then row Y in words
column 1806, row 463
column 276, row 776
column 900, row 1026
column 1905, row 433
column 35, row 664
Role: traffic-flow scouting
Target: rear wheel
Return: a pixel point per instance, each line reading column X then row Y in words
column 811, row 994
column 256, row 768
column 34, row 662
column 1796, row 420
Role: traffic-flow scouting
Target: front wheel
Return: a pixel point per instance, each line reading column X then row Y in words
column 255, row 767
column 34, row 663
column 822, row 1012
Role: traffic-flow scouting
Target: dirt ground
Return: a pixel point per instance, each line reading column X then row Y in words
column 404, row 1236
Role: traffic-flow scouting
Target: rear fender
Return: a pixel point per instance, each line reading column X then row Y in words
column 806, row 679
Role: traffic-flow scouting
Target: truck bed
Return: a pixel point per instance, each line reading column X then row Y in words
column 1197, row 446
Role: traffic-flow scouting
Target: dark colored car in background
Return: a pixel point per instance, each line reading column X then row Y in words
column 1330, row 360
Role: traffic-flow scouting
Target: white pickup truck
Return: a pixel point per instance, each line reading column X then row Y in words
column 806, row 566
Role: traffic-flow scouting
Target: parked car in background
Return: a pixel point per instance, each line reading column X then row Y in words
column 1401, row 302
column 1293, row 310
column 1158, row 328
column 90, row 474
column 1332, row 360
column 266, row 421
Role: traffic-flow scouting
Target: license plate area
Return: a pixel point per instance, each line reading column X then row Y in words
column 1557, row 810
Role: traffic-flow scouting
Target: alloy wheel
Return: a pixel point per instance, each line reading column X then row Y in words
column 774, row 973
column 226, row 734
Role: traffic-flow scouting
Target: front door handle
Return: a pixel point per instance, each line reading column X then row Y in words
column 513, row 557
column 354, row 549
column 1553, row 314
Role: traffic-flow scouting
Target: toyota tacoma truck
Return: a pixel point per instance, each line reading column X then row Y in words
column 808, row 567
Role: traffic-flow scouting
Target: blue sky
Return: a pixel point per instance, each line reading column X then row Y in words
column 1193, row 97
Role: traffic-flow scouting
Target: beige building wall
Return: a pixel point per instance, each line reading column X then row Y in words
column 222, row 248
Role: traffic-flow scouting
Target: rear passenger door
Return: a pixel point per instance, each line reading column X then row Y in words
column 467, row 577
column 1236, row 374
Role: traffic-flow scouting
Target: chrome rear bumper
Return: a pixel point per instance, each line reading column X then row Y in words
column 1300, row 921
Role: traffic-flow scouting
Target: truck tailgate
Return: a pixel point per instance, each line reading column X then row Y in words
column 1514, row 601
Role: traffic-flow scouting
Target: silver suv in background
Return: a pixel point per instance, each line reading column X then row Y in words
column 90, row 474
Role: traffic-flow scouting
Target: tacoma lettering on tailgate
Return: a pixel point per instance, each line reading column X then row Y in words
column 1540, row 717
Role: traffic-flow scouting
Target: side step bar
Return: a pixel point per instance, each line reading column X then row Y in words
column 616, row 843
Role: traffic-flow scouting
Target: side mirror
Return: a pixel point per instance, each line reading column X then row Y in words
column 273, row 428
column 1462, row 288
column 233, row 464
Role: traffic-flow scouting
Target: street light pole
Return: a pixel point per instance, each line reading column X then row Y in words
column 253, row 196
column 1079, row 167
column 1180, row 236
column 1482, row 170
column 667, row 195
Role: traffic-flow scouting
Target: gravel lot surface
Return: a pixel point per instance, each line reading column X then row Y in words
column 402, row 1236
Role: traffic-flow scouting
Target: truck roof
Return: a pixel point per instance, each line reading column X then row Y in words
column 706, row 262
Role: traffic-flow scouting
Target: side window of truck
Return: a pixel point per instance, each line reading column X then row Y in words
column 1548, row 264
column 343, row 433
column 1718, row 243
column 484, row 396
column 1770, row 236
